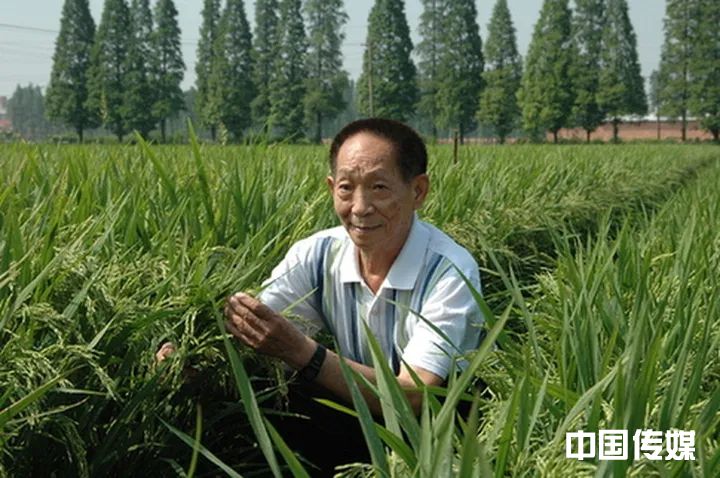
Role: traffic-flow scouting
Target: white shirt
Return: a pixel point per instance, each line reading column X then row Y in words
column 319, row 280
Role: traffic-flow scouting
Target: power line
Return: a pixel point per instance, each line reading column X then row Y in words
column 30, row 29
column 190, row 42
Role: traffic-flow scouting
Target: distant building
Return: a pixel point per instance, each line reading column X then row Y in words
column 5, row 124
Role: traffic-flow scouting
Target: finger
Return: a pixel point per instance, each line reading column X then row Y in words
column 242, row 331
column 255, row 306
column 236, row 304
column 233, row 329
column 245, row 319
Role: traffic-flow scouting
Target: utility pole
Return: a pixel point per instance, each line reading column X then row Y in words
column 433, row 86
column 370, row 77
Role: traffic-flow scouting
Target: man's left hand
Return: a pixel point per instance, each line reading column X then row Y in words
column 269, row 333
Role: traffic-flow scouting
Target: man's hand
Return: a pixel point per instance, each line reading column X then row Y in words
column 269, row 333
column 166, row 350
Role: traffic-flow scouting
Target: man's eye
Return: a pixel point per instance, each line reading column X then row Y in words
column 379, row 187
column 344, row 187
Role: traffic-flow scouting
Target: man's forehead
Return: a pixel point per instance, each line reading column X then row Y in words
column 366, row 152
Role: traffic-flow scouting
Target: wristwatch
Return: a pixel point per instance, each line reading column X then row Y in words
column 311, row 370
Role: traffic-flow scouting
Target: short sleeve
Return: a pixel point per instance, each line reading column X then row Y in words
column 450, row 308
column 292, row 285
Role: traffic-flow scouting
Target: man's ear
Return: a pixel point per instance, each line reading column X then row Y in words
column 330, row 182
column 420, row 187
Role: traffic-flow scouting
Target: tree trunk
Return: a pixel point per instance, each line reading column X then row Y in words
column 616, row 129
column 555, row 136
column 213, row 132
column 684, row 126
column 501, row 138
column 455, row 147
column 716, row 135
column 658, row 128
column 318, row 128
column 79, row 131
column 162, row 130
column 587, row 133
column 461, row 130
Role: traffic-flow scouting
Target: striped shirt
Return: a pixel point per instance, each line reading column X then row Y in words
column 423, row 293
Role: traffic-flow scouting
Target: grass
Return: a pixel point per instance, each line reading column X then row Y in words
column 107, row 251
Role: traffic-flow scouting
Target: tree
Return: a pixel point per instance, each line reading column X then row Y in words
column 266, row 30
column 429, row 48
column 108, row 70
column 26, row 112
column 170, row 67
column 287, row 88
column 386, row 86
column 545, row 94
column 705, row 68
column 621, row 88
column 681, row 29
column 588, row 23
column 67, row 92
column 231, row 86
column 140, row 89
column 326, row 80
column 498, row 102
column 204, row 64
column 460, row 67
column 654, row 97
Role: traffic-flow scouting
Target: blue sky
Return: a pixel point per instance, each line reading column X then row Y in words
column 26, row 55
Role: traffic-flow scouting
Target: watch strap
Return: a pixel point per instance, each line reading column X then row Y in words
column 310, row 371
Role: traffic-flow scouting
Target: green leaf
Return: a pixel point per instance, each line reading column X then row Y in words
column 242, row 381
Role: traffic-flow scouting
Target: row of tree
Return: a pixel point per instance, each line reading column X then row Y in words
column 125, row 76
column 688, row 80
column 26, row 112
column 579, row 69
column 283, row 82
column 285, row 79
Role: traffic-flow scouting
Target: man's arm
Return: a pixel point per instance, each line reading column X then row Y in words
column 269, row 333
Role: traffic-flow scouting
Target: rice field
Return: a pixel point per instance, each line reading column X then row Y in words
column 600, row 273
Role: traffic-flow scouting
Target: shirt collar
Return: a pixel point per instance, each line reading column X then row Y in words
column 404, row 271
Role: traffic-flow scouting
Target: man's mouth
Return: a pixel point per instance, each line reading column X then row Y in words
column 364, row 228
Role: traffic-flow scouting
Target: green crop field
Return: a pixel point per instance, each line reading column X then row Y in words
column 601, row 286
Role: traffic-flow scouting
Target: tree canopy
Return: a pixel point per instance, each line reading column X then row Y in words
column 621, row 89
column 545, row 94
column 498, row 106
column 287, row 87
column 326, row 79
column 170, row 67
column 231, row 86
column 387, row 85
column 209, row 30
column 108, row 70
column 67, row 92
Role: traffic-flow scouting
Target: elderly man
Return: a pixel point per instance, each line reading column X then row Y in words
column 383, row 267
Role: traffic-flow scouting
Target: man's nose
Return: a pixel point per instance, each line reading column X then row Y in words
column 362, row 203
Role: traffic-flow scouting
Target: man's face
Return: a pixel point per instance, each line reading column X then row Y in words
column 370, row 196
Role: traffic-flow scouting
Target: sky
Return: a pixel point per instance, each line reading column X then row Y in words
column 28, row 29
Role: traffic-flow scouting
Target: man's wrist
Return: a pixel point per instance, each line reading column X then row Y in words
column 300, row 355
column 310, row 371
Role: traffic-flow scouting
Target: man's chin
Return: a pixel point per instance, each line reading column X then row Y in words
column 363, row 238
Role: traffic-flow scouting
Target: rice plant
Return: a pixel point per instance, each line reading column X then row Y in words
column 105, row 252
